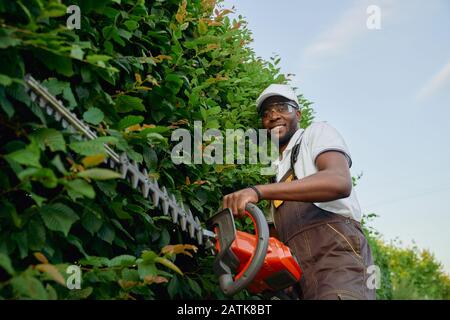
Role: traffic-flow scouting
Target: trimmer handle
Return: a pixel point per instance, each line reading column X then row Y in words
column 226, row 261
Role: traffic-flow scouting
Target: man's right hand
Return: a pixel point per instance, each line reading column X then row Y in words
column 237, row 201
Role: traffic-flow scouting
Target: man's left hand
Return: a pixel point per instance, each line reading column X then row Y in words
column 237, row 201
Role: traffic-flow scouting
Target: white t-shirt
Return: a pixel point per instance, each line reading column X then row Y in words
column 318, row 138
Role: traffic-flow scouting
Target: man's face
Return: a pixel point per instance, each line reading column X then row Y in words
column 281, row 125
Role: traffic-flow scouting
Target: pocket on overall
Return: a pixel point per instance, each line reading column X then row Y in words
column 347, row 237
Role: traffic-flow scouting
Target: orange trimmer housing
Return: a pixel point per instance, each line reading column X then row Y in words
column 279, row 270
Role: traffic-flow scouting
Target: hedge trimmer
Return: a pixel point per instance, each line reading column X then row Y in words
column 260, row 264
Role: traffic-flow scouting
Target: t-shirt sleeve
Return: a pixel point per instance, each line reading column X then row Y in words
column 323, row 137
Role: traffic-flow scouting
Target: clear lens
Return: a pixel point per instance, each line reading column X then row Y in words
column 280, row 108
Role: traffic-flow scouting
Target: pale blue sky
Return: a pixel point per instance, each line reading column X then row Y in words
column 387, row 91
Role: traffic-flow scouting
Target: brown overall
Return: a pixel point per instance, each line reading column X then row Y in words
column 332, row 250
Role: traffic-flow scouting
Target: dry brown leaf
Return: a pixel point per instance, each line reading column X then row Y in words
column 181, row 13
column 212, row 23
column 52, row 271
column 40, row 257
column 138, row 78
column 136, row 127
column 126, row 284
column 94, row 160
column 200, row 182
column 179, row 249
column 155, row 279
column 161, row 57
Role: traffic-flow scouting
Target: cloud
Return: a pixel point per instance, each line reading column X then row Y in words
column 433, row 85
column 350, row 26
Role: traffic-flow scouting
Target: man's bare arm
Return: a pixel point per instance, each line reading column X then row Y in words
column 331, row 182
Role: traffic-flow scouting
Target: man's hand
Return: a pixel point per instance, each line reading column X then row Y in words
column 237, row 201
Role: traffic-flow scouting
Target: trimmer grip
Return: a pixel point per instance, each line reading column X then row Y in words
column 226, row 260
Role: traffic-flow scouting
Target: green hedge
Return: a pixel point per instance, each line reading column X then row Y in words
column 135, row 71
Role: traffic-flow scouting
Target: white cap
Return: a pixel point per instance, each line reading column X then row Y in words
column 283, row 90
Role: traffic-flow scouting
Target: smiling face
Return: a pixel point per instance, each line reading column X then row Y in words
column 282, row 125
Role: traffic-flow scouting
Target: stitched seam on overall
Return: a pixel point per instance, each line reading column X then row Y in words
column 307, row 245
column 355, row 256
column 316, row 283
column 345, row 240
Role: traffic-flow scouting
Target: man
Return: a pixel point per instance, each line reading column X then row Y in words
column 315, row 211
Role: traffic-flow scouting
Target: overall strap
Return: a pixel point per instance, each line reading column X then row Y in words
column 294, row 154
column 290, row 174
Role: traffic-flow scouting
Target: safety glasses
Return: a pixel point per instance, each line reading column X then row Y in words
column 282, row 108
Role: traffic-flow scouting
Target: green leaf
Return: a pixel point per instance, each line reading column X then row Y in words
column 116, row 207
column 28, row 156
column 21, row 239
column 149, row 256
column 57, row 87
column 155, row 138
column 150, row 157
column 129, row 121
column 7, row 40
column 108, row 187
column 6, row 104
column 58, row 164
column 194, row 286
column 125, row 34
column 53, row 10
column 173, row 286
column 29, row 287
column 76, row 52
column 99, row 174
column 56, row 62
column 51, row 138
column 90, row 222
column 95, row 261
column 5, row 263
column 174, row 82
column 5, row 80
column 122, row 261
column 79, row 294
column 80, row 187
column 51, row 292
column 131, row 25
column 147, row 269
column 36, row 235
column 45, row 176
column 202, row 27
column 77, row 243
column 98, row 59
column 92, row 147
column 38, row 199
column 130, row 274
column 8, row 210
column 93, row 116
column 106, row 233
column 169, row 264
column 121, row 228
column 58, row 217
column 126, row 103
